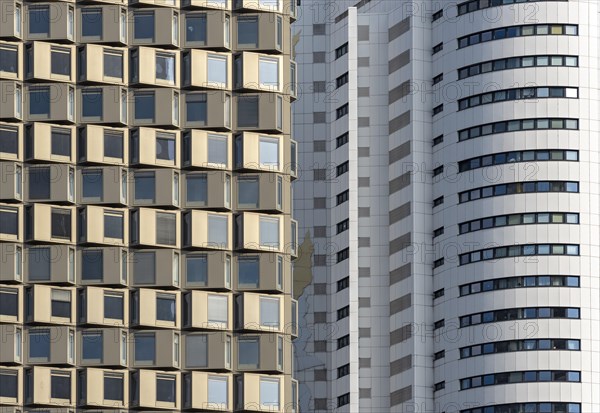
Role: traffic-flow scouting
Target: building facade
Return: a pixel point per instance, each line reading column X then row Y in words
column 448, row 200
column 146, row 227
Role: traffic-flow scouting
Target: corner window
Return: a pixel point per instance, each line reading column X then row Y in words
column 197, row 269
column 217, row 150
column 227, row 30
column 61, row 223
column 217, row 392
column 91, row 23
column 269, row 152
column 61, row 303
column 143, row 26
column 60, row 61
column 269, row 312
column 247, row 31
column 91, row 103
column 166, row 228
column 269, row 232
column 268, row 72
column 269, row 393
column 218, row 312
column 113, row 64
column 248, row 191
column 195, row 28
column 39, row 20
column 144, row 106
column 9, row 59
column 217, row 70
column 165, row 67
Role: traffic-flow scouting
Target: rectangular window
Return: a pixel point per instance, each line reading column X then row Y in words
column 39, row 263
column 60, row 61
column 9, row 139
column 39, row 345
column 248, row 191
column 341, row 80
column 60, row 142
column 10, row 384
column 218, row 230
column 197, row 189
column 92, row 345
column 341, row 111
column 217, row 392
column 9, row 302
column 60, row 385
column 248, row 271
column 217, row 150
column 165, row 307
column 143, row 26
column 113, row 305
column 216, row 73
column 9, row 221
column 196, row 350
column 39, row 101
column 113, row 144
column 269, row 152
column 196, row 109
column 248, row 111
column 166, row 228
column 9, row 59
column 144, row 268
column 197, row 269
column 61, row 303
column 342, row 50
column 144, row 187
column 269, row 393
column 113, row 64
column 165, row 388
column 39, row 20
column 247, row 31
column 61, row 223
column 144, row 106
column 269, row 312
column 269, row 232
column 218, row 310
column 195, row 30
column 268, row 72
column 248, row 352
column 165, row 67
column 92, row 184
column 91, row 22
column 165, row 147
column 113, row 386
column 91, row 103
column 145, row 348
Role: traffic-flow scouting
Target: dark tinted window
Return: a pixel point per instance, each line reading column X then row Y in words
column 113, row 306
column 113, row 144
column 60, row 61
column 8, row 59
column 144, row 106
column 113, row 225
column 92, row 184
column 92, row 346
column 165, row 389
column 39, row 101
column 91, row 103
column 165, row 148
column 61, row 223
column 248, row 271
column 9, row 138
column 197, row 269
column 165, row 228
column 91, row 265
column 143, row 25
column 9, row 221
column 113, row 387
column 8, row 384
column 39, row 344
column 39, row 264
column 196, row 107
column 113, row 64
column 247, row 111
column 195, row 28
column 9, row 300
column 60, row 386
column 39, row 19
column 248, row 192
column 61, row 303
column 91, row 22
column 165, row 308
column 61, row 142
column 197, row 189
column 144, row 347
column 39, row 183
column 247, row 31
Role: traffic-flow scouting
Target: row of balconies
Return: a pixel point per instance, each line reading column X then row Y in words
column 163, row 390
column 147, row 66
column 155, row 107
column 149, row 308
column 146, row 227
column 144, row 147
column 162, row 268
column 111, row 22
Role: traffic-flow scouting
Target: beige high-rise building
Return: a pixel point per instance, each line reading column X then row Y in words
column 146, row 225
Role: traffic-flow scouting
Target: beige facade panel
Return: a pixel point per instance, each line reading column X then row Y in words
column 207, row 69
column 12, row 27
column 206, row 270
column 12, row 148
column 207, row 350
column 264, row 352
column 154, row 268
column 61, row 24
column 49, row 345
column 49, row 183
column 11, row 376
column 155, row 147
column 108, row 23
column 155, row 67
column 50, row 264
column 12, row 222
column 210, row 109
column 155, row 228
column 156, row 308
column 102, row 185
column 56, row 305
column 50, row 142
column 11, row 108
column 155, row 349
column 13, row 303
column 207, row 190
column 12, row 181
column 50, row 223
column 208, row 310
column 50, row 62
column 202, row 386
column 272, row 33
column 162, row 3
column 99, row 347
column 155, row 187
column 210, row 29
column 102, row 104
column 11, row 351
column 103, row 144
column 208, row 4
column 208, row 230
column 102, row 266
column 100, row 225
column 262, row 192
column 268, row 112
column 104, row 306
column 51, row 386
column 210, row 150
column 145, row 383
column 261, row 5
column 262, row 272
column 104, row 388
column 11, row 255
column 12, row 52
column 160, row 27
column 49, row 102
column 103, row 64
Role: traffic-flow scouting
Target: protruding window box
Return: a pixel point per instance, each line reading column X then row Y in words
column 207, row 269
column 50, row 386
column 262, row 152
column 208, row 310
column 102, row 104
column 207, row 190
column 264, row 352
column 11, row 219
column 262, row 232
column 155, row 349
column 161, row 3
column 12, row 57
column 50, row 62
column 150, row 107
column 102, row 347
column 154, row 268
column 11, row 269
column 104, row 388
column 47, row 304
column 103, row 64
column 207, row 350
column 104, row 306
column 261, row 5
column 102, row 185
column 155, row 67
column 261, row 32
column 49, row 21
column 154, row 26
column 12, row 394
column 102, row 23
column 103, row 144
column 12, row 299
column 11, row 351
column 206, row 29
column 155, row 308
column 207, row 150
column 100, row 225
column 45, row 264
column 49, row 102
column 49, row 345
column 155, row 147
column 208, row 391
column 263, row 312
column 12, row 27
column 262, row 192
column 208, row 230
column 207, row 69
column 262, row 272
column 50, row 142
column 207, row 109
column 12, row 107
column 267, row 112
column 155, row 228
column 11, row 141
column 261, row 392
column 49, row 183
column 155, row 187
column 151, row 389
column 261, row 72
column 50, row 223
column 102, row 266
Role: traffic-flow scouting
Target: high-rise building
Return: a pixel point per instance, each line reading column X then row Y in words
column 448, row 200
column 146, row 230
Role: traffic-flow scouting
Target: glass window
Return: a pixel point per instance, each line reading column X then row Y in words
column 195, row 28
column 92, row 184
column 61, row 303
column 165, row 67
column 165, row 147
column 196, row 110
column 217, row 70
column 39, row 101
column 197, row 189
column 145, row 348
column 217, row 392
column 247, row 31
column 10, row 383
column 269, row 393
column 217, row 150
column 39, row 264
column 269, row 232
column 218, row 309
column 144, row 268
column 9, row 302
column 269, row 152
column 9, row 138
column 39, row 20
column 196, row 350
column 113, row 386
column 39, row 183
column 9, row 59
column 218, row 230
column 91, row 103
column 60, row 385
column 197, row 269
column 113, row 305
column 61, row 223
column 9, row 218
column 248, row 191
column 91, row 22
column 248, row 352
column 39, row 345
column 269, row 312
column 113, row 144
column 144, row 106
column 268, row 72
column 113, row 225
column 166, row 228
column 165, row 307
column 248, row 111
column 145, row 186
column 248, row 272
column 165, row 388
column 143, row 26
column 91, row 345
column 113, row 64
column 60, row 61
column 60, row 142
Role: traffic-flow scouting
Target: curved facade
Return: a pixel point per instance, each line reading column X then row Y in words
column 520, row 207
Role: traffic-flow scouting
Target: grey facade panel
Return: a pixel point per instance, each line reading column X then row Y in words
column 364, row 152
column 401, row 334
column 399, row 213
column 400, row 365
column 399, row 92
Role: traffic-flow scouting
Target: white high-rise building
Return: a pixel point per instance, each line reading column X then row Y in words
column 448, row 202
